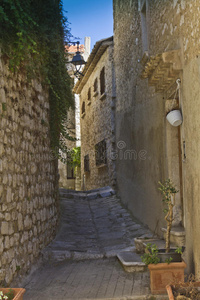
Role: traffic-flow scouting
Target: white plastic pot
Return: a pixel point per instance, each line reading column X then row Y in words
column 174, row 117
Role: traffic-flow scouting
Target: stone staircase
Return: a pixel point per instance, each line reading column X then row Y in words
column 91, row 194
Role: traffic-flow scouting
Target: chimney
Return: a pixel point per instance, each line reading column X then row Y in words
column 87, row 47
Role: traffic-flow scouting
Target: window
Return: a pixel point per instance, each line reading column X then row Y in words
column 83, row 107
column 89, row 94
column 100, row 152
column 102, row 81
column 95, row 86
column 70, row 169
column 86, row 163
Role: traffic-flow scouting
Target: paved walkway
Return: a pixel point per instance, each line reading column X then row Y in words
column 81, row 262
column 93, row 226
column 88, row 279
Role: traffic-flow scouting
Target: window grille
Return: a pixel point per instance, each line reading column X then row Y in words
column 86, row 163
column 70, row 169
column 100, row 152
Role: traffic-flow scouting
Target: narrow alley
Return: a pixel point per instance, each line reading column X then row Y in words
column 81, row 262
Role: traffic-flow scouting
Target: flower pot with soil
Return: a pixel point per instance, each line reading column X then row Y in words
column 189, row 290
column 12, row 293
column 165, row 264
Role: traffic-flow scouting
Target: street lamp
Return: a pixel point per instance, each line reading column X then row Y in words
column 78, row 62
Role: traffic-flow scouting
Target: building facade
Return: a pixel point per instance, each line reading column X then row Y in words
column 70, row 177
column 97, row 103
column 157, row 66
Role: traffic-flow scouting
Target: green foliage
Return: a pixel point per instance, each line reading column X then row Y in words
column 18, row 268
column 167, row 189
column 33, row 35
column 10, row 294
column 179, row 250
column 168, row 260
column 75, row 155
column 4, row 108
column 151, row 255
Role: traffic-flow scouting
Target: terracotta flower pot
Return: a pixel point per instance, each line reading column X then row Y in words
column 18, row 292
column 170, row 293
column 163, row 274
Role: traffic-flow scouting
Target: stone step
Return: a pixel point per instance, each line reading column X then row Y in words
column 91, row 194
column 131, row 261
column 141, row 243
column 177, row 236
column 60, row 254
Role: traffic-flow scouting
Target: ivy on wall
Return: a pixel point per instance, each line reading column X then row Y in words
column 33, row 34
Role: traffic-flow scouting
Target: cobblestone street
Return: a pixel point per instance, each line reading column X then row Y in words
column 81, row 262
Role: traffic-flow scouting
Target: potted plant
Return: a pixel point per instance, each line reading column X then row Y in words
column 165, row 264
column 188, row 290
column 169, row 191
column 11, row 293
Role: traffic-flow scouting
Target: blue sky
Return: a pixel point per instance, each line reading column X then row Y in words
column 92, row 18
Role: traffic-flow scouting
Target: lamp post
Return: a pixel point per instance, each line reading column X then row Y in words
column 78, row 62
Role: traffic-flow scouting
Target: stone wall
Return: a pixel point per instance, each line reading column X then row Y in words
column 65, row 180
column 158, row 27
column 97, row 124
column 28, row 174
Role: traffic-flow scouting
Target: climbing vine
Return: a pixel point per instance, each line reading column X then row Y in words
column 33, row 34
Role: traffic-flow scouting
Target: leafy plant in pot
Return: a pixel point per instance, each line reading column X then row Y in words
column 165, row 264
column 169, row 191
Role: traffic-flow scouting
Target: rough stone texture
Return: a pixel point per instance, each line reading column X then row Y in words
column 64, row 180
column 81, row 262
column 141, row 109
column 97, row 124
column 28, row 174
column 92, row 227
column 95, row 279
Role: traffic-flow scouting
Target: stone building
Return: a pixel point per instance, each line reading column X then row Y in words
column 28, row 174
column 70, row 177
column 97, row 94
column 157, row 65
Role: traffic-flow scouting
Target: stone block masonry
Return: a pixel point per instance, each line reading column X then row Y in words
column 28, row 174
column 143, row 32
column 97, row 104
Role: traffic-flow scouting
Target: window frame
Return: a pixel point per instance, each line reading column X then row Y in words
column 101, row 153
column 86, row 163
column 70, row 169
column 95, row 86
column 102, row 81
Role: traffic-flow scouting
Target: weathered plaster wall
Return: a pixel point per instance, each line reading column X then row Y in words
column 140, row 111
column 98, row 124
column 28, row 175
column 191, row 164
column 139, row 120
